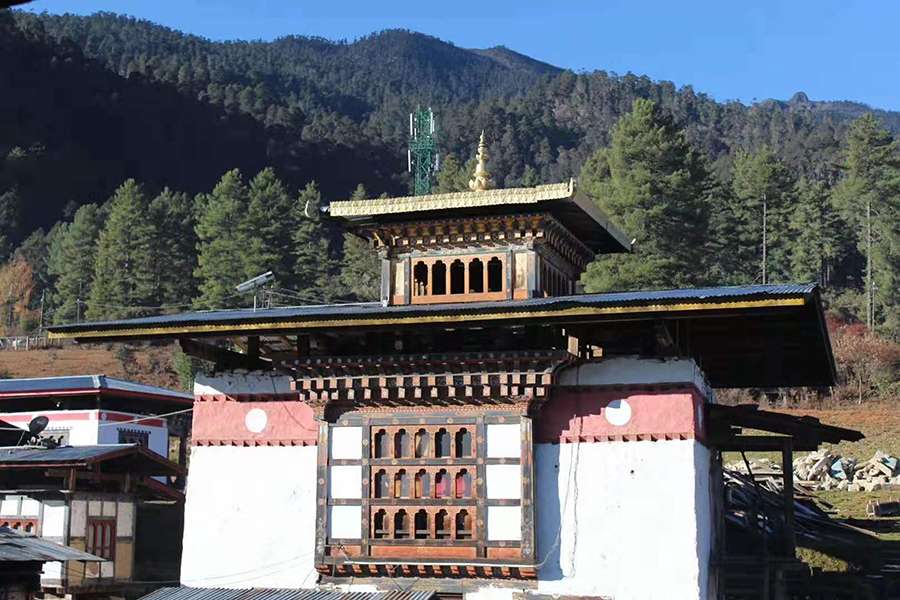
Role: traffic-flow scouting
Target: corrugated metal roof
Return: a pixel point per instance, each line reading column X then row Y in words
column 85, row 382
column 63, row 454
column 367, row 309
column 188, row 593
column 15, row 547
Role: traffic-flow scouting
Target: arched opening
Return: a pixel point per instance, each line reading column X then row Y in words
column 420, row 279
column 423, row 484
column 463, row 484
column 463, row 525
column 438, row 278
column 380, row 445
column 380, row 525
column 457, row 277
column 476, row 276
column 421, row 525
column 402, row 447
column 495, row 275
column 442, row 444
column 442, row 525
column 382, row 485
column 422, row 443
column 441, row 484
column 463, row 443
column 401, row 525
column 401, row 484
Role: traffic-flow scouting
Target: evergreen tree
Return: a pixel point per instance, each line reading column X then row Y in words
column 221, row 242
column 869, row 198
column 124, row 282
column 452, row 176
column 269, row 227
column 175, row 247
column 314, row 265
column 653, row 185
column 71, row 263
column 360, row 274
column 762, row 190
column 10, row 221
column 816, row 237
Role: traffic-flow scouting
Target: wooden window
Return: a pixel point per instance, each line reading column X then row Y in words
column 402, row 447
column 442, row 525
column 420, row 279
column 401, row 484
column 463, row 484
column 442, row 484
column 381, row 525
column 423, row 484
column 463, row 525
column 476, row 276
column 463, row 443
column 401, row 525
column 442, row 444
column 134, row 436
column 421, row 525
column 382, row 486
column 380, row 445
column 422, row 443
column 438, row 278
column 101, row 538
column 457, row 277
column 495, row 275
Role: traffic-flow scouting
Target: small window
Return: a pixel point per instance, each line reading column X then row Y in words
column 401, row 525
column 463, row 484
column 441, row 484
column 476, row 276
column 401, row 444
column 420, row 279
column 421, row 524
column 401, row 484
column 380, row 522
column 495, row 275
column 382, row 486
column 439, row 278
column 380, row 445
column 463, row 525
column 134, row 436
column 442, row 444
column 457, row 277
column 442, row 525
column 463, row 443
column 422, row 445
column 423, row 484
column 101, row 538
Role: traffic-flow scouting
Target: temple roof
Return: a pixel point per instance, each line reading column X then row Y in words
column 574, row 210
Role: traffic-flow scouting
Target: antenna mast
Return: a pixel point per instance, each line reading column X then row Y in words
column 422, row 157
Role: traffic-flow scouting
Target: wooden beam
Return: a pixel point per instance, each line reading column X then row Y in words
column 787, row 468
column 223, row 359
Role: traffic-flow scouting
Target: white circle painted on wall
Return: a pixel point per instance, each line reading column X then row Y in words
column 617, row 412
column 256, row 420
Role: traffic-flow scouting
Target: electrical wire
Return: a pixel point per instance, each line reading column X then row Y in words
column 113, row 423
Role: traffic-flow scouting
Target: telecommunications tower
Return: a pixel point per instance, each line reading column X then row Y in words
column 422, row 156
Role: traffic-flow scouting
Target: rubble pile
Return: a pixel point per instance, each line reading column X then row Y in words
column 827, row 470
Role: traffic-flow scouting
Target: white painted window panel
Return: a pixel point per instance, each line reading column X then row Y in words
column 504, row 440
column 54, row 521
column 504, row 523
column 109, row 508
column 504, row 482
column 30, row 507
column 9, row 507
column 345, row 522
column 346, row 443
column 346, row 481
column 125, row 520
column 78, row 521
column 107, row 569
column 95, row 508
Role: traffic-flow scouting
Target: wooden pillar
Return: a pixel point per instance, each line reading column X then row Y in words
column 253, row 346
column 787, row 468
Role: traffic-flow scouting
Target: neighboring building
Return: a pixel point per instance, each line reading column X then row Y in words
column 23, row 557
column 101, row 499
column 484, row 430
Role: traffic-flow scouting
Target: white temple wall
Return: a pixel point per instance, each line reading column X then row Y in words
column 250, row 517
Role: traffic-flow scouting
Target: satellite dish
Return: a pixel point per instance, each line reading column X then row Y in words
column 38, row 424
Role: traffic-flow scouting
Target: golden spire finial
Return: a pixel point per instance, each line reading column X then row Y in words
column 482, row 179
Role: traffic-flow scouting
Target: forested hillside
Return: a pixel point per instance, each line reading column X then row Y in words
column 143, row 169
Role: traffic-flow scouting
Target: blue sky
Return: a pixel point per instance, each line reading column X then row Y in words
column 743, row 50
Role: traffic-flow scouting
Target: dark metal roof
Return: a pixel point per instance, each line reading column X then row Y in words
column 350, row 312
column 78, row 383
column 133, row 455
column 15, row 547
column 188, row 593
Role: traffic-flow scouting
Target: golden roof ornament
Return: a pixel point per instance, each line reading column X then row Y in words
column 482, row 180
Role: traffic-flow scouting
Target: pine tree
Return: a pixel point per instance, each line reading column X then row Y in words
column 361, row 268
column 452, row 176
column 124, row 273
column 269, row 227
column 71, row 263
column 816, row 237
column 10, row 221
column 653, row 185
column 869, row 198
column 221, row 242
column 762, row 190
column 314, row 265
column 175, row 247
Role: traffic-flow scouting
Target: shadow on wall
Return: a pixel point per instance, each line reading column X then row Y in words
column 548, row 512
